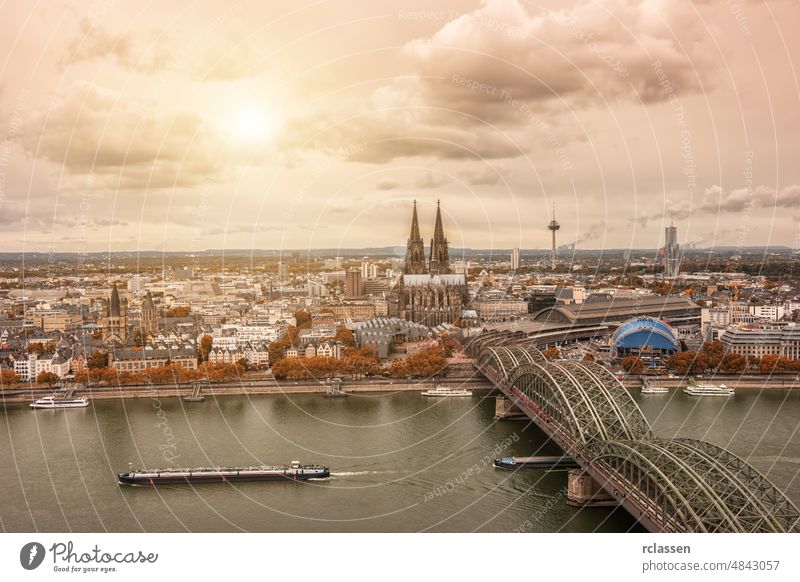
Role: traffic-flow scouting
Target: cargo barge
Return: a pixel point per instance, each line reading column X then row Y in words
column 551, row 463
column 292, row 472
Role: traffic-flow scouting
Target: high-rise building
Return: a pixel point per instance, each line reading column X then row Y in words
column 672, row 258
column 354, row 284
column 514, row 259
column 553, row 227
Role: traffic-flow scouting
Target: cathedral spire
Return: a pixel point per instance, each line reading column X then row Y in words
column 439, row 258
column 415, row 250
column 414, row 225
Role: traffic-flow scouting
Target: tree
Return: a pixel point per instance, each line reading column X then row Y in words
column 632, row 364
column 714, row 352
column 206, row 342
column 733, row 364
column 588, row 358
column 552, row 353
column 767, row 364
column 345, row 336
column 48, row 378
column 182, row 311
column 97, row 360
column 8, row 378
column 302, row 318
column 688, row 362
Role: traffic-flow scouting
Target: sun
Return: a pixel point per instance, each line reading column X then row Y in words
column 254, row 125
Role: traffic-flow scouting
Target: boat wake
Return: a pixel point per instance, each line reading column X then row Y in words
column 356, row 473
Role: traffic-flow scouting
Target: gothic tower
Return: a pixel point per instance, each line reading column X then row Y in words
column 149, row 316
column 439, row 262
column 115, row 324
column 415, row 251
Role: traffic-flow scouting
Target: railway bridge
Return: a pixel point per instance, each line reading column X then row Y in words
column 668, row 485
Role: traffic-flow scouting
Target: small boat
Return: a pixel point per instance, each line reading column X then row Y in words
column 334, row 390
column 551, row 463
column 60, row 402
column 648, row 388
column 445, row 391
column 292, row 472
column 706, row 389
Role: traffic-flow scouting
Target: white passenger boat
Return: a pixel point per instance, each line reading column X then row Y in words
column 649, row 389
column 445, row 391
column 60, row 402
column 706, row 389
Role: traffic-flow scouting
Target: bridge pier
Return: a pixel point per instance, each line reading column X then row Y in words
column 504, row 409
column 583, row 491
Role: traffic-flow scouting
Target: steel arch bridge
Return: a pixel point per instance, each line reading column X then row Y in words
column 694, row 486
column 678, row 485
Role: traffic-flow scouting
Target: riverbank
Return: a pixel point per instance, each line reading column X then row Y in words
column 250, row 388
column 774, row 382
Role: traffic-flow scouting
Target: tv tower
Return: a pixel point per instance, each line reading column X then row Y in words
column 553, row 227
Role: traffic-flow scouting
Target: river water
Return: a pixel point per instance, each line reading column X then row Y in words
column 400, row 462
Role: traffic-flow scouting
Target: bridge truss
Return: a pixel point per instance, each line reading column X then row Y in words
column 682, row 485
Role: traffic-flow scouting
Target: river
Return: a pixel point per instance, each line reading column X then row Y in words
column 400, row 462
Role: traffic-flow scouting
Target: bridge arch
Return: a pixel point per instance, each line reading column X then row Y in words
column 687, row 487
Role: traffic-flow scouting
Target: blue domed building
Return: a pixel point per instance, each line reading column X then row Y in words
column 646, row 337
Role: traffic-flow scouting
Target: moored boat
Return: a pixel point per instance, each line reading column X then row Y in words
column 60, row 402
column 650, row 389
column 445, row 391
column 707, row 389
column 292, row 472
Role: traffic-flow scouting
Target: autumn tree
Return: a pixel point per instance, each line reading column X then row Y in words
column 97, row 360
column 345, row 336
column 8, row 378
column 733, row 364
column 302, row 319
column 552, row 353
column 714, row 352
column 632, row 364
column 206, row 342
column 182, row 311
column 688, row 362
column 48, row 378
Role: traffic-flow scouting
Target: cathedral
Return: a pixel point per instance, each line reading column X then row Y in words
column 428, row 293
column 115, row 322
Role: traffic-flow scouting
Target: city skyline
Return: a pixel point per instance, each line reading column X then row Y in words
column 226, row 128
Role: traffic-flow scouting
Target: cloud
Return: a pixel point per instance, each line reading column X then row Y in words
column 122, row 141
column 211, row 55
column 716, row 200
column 484, row 177
column 502, row 64
column 430, row 180
column 387, row 184
column 477, row 84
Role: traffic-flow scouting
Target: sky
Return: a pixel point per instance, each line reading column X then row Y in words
column 184, row 126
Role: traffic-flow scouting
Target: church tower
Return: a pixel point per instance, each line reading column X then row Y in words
column 115, row 324
column 415, row 251
column 439, row 262
column 149, row 316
